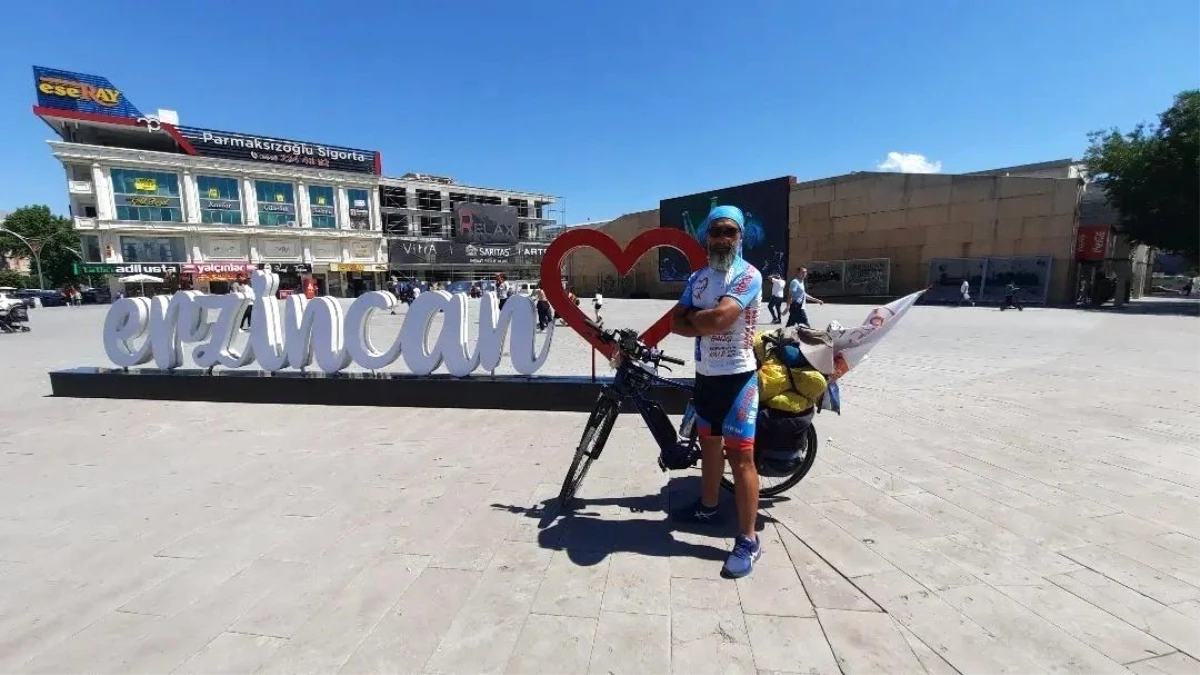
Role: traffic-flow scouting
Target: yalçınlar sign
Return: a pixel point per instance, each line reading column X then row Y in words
column 139, row 330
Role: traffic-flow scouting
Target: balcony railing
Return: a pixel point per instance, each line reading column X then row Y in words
column 79, row 187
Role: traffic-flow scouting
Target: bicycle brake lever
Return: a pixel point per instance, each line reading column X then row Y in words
column 659, row 365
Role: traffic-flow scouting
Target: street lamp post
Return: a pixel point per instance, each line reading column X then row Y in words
column 35, row 247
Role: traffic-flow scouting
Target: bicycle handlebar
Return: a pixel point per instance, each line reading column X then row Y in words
column 629, row 344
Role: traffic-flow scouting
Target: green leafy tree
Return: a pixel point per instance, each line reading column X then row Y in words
column 1152, row 177
column 12, row 279
column 59, row 243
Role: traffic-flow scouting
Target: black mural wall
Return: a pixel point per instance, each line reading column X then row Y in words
column 766, row 237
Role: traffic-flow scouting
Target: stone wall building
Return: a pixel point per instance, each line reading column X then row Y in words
column 869, row 235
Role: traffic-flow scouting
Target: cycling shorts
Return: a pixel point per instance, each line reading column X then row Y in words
column 727, row 406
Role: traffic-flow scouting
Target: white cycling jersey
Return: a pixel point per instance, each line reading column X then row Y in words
column 731, row 351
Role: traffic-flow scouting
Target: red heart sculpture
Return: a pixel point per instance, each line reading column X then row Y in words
column 623, row 259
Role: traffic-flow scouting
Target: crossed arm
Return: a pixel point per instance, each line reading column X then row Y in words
column 694, row 322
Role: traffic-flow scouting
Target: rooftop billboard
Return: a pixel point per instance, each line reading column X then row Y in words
column 92, row 97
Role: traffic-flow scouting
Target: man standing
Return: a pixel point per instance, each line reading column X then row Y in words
column 1010, row 297
column 719, row 307
column 798, row 298
column 502, row 289
column 775, row 304
column 964, row 292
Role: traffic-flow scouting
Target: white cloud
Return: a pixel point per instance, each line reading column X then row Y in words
column 909, row 162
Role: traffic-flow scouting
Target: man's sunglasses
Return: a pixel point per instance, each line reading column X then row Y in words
column 723, row 231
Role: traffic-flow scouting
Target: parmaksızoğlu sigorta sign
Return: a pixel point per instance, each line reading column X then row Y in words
column 140, row 330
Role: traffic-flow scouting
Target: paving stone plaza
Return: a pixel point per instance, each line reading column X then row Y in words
column 1004, row 493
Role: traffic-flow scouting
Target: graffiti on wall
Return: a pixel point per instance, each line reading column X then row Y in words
column 946, row 276
column 1030, row 274
column 868, row 276
column 765, row 238
column 825, row 277
column 988, row 278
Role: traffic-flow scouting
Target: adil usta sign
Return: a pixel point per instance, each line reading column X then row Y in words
column 140, row 330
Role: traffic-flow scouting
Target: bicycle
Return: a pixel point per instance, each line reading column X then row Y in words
column 788, row 453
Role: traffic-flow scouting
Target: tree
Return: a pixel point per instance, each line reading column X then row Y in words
column 1152, row 177
column 53, row 233
column 11, row 279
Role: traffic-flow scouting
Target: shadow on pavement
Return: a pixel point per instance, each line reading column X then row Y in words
column 592, row 528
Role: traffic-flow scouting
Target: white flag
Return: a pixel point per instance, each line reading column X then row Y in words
column 850, row 346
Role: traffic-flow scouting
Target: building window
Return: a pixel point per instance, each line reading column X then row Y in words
column 431, row 226
column 393, row 197
column 429, row 200
column 220, row 200
column 80, row 172
column 153, row 249
column 360, row 209
column 395, row 223
column 320, row 205
column 521, row 205
column 147, row 196
column 89, row 245
column 276, row 203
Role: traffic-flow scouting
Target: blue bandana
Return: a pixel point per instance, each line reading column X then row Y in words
column 732, row 213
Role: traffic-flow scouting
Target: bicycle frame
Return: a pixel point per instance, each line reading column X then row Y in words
column 631, row 382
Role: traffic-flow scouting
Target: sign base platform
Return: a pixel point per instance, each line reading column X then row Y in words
column 482, row 392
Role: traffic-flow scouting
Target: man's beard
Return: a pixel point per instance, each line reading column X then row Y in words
column 721, row 261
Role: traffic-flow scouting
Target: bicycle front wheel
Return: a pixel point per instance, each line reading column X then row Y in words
column 595, row 435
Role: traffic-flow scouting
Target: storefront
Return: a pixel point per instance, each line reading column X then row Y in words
column 214, row 277
column 444, row 261
column 168, row 273
column 350, row 280
column 291, row 276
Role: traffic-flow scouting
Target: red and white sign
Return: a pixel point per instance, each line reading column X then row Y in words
column 218, row 270
column 1092, row 242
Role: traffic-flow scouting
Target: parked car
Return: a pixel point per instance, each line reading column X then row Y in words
column 97, row 296
column 18, row 294
column 8, row 299
column 25, row 295
column 50, row 298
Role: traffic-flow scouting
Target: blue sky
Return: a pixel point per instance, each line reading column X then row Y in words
column 614, row 105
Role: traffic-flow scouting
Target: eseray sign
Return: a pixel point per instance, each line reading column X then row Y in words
column 139, row 330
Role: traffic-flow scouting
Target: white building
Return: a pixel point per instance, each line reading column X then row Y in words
column 202, row 207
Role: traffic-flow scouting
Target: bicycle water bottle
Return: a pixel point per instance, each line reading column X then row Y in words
column 689, row 421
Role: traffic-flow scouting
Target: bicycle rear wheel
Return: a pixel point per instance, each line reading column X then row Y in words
column 595, row 435
column 806, row 444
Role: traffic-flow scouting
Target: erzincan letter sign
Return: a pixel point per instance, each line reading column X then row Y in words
column 318, row 330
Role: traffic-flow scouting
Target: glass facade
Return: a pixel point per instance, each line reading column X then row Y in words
column 321, row 206
column 360, row 209
column 142, row 195
column 89, row 245
column 276, row 203
column 220, row 199
column 153, row 249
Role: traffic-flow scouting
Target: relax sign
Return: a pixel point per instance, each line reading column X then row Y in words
column 140, row 330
